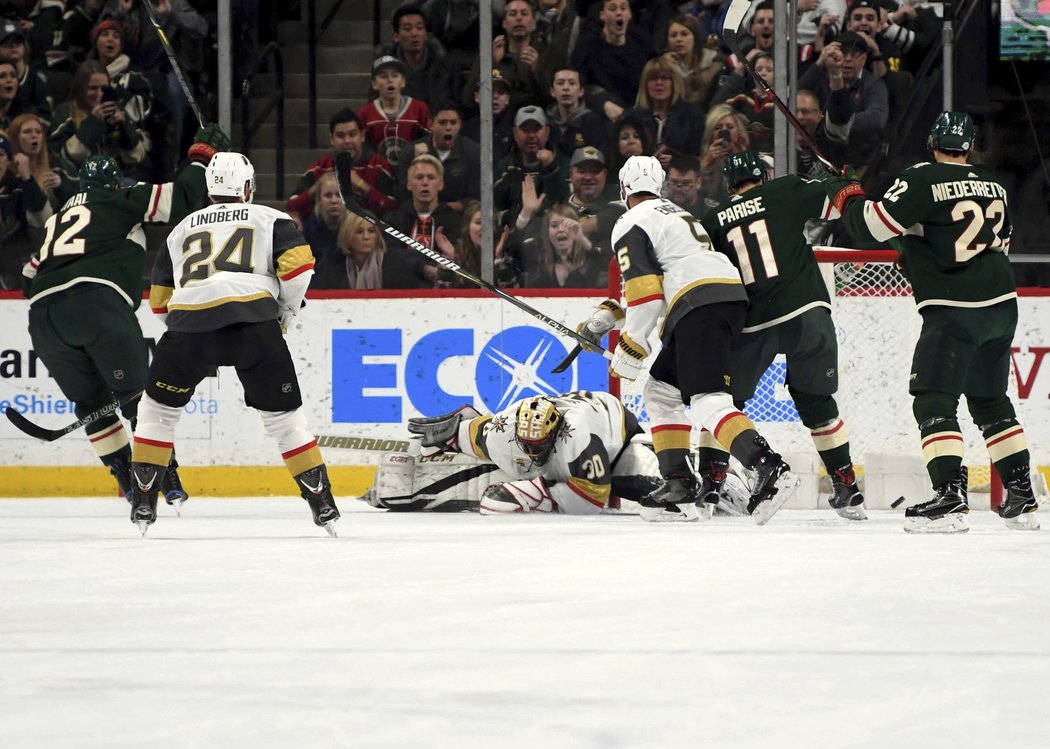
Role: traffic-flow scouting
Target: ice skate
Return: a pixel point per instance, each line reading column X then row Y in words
column 711, row 484
column 847, row 500
column 774, row 484
column 145, row 480
column 945, row 513
column 317, row 491
column 120, row 468
column 171, row 486
column 677, row 500
column 1019, row 504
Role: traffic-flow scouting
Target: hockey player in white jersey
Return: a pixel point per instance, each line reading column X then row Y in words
column 670, row 272
column 562, row 453
column 232, row 275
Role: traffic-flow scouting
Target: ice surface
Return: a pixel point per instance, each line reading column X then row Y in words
column 243, row 625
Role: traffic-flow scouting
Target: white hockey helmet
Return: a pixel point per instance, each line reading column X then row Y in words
column 230, row 175
column 641, row 174
column 536, row 427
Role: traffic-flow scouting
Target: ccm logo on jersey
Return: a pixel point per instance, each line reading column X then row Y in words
column 170, row 388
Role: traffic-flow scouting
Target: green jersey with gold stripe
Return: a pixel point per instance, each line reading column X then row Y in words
column 668, row 267
column 762, row 231
column 97, row 237
column 951, row 224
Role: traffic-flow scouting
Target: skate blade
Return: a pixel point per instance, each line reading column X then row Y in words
column 1025, row 522
column 856, row 512
column 177, row 504
column 786, row 486
column 330, row 527
column 689, row 513
column 143, row 526
column 954, row 522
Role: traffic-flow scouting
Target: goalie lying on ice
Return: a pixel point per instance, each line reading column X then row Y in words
column 566, row 453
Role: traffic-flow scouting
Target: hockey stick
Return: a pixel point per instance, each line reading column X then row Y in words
column 735, row 14
column 50, row 435
column 568, row 360
column 174, row 61
column 448, row 264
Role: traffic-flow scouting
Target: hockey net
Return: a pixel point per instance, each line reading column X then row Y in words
column 877, row 326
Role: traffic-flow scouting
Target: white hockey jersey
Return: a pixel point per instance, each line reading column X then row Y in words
column 230, row 263
column 595, row 427
column 668, row 267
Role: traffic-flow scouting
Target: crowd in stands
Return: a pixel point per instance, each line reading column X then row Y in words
column 578, row 86
column 79, row 77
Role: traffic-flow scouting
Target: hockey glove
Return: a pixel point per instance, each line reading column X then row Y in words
column 628, row 360
column 442, row 432
column 606, row 316
column 208, row 141
column 842, row 187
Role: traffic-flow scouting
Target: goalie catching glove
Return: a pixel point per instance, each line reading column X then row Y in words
column 606, row 316
column 628, row 360
column 842, row 187
column 442, row 432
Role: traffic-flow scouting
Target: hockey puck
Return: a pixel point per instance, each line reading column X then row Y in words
column 897, row 502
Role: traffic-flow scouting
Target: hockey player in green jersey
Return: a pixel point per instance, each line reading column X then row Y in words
column 761, row 229
column 85, row 283
column 950, row 221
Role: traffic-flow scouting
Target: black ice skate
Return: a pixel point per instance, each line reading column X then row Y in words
column 1019, row 504
column 317, row 491
column 676, row 500
column 120, row 467
column 945, row 513
column 774, row 484
column 847, row 499
column 711, row 486
column 145, row 481
column 171, row 486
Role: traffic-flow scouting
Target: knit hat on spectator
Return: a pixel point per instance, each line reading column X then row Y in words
column 587, row 155
column 498, row 81
column 107, row 23
column 10, row 29
column 530, row 113
column 849, row 40
column 5, row 144
column 388, row 61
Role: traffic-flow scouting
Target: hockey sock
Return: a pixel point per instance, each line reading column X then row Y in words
column 942, row 448
column 296, row 443
column 108, row 436
column 832, row 443
column 1007, row 447
column 671, row 443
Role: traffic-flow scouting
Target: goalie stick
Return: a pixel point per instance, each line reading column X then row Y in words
column 50, row 435
column 730, row 27
column 451, row 265
column 174, row 61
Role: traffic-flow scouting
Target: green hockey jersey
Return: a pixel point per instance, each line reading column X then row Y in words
column 97, row 237
column 951, row 224
column 763, row 232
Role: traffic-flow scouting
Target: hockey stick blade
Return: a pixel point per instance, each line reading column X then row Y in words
column 50, row 435
column 568, row 360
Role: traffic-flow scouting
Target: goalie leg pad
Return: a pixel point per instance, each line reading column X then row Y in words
column 512, row 497
column 439, row 483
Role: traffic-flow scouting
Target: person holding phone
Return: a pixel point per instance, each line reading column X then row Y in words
column 725, row 133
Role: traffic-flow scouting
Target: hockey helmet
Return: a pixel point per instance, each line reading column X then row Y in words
column 230, row 175
column 536, row 428
column 951, row 131
column 743, row 167
column 100, row 171
column 641, row 174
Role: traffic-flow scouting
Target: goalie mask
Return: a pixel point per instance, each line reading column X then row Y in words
column 230, row 175
column 536, row 428
column 951, row 132
column 743, row 167
column 641, row 174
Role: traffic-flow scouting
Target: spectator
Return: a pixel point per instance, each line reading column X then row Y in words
column 455, row 23
column 740, row 91
column 725, row 132
column 631, row 137
column 830, row 131
column 369, row 177
column 41, row 22
column 92, row 121
column 684, row 184
column 361, row 260
column 596, row 204
column 556, row 21
column 73, row 40
column 467, row 252
column 515, row 54
column 611, row 62
column 393, row 120
column 427, row 77
column 698, row 65
column 566, row 260
column 531, row 158
column 863, row 19
column 675, row 123
column 32, row 83
column 502, row 118
column 10, row 106
column 914, row 26
column 421, row 217
column 871, row 100
column 575, row 124
column 28, row 135
column 23, row 211
column 321, row 227
column 818, row 21
column 461, row 158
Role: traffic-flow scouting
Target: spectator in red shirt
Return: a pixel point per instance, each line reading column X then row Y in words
column 393, row 120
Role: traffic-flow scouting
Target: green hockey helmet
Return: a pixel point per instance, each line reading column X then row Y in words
column 99, row 171
column 951, row 131
column 743, row 167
